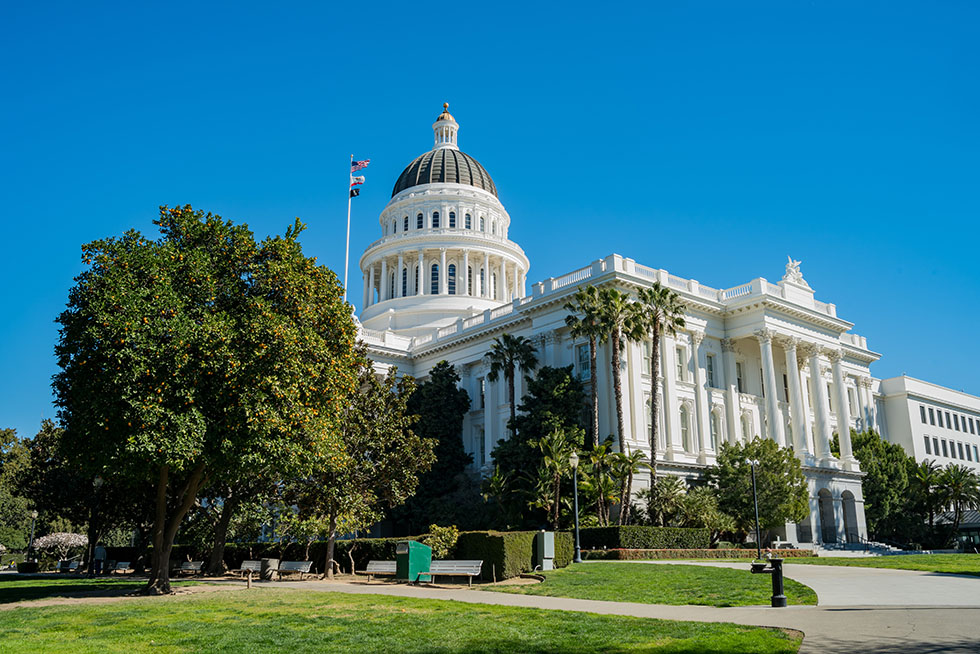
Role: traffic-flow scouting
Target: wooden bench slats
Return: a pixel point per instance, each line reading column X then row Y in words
column 295, row 567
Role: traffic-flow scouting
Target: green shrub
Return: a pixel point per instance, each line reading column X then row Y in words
column 645, row 538
column 564, row 548
column 651, row 555
column 724, row 545
column 442, row 540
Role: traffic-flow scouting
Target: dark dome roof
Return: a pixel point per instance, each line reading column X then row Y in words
column 444, row 165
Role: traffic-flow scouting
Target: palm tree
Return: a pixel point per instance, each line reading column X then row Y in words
column 960, row 490
column 616, row 319
column 627, row 466
column 507, row 353
column 664, row 498
column 588, row 324
column 926, row 481
column 598, row 481
column 658, row 311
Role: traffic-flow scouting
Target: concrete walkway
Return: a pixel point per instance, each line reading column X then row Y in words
column 827, row 629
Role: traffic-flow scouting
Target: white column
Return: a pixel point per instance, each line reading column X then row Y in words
column 370, row 287
column 486, row 274
column 382, row 295
column 503, row 280
column 774, row 415
column 869, row 404
column 700, row 395
column 422, row 272
column 796, row 410
column 821, row 431
column 398, row 277
column 732, row 406
column 364, row 294
column 465, row 290
column 843, row 411
column 672, row 431
column 443, row 277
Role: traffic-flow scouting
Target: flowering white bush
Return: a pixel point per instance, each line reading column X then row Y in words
column 61, row 543
column 2, row 548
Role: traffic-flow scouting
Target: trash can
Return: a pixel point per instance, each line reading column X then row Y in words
column 412, row 561
column 268, row 569
column 544, row 549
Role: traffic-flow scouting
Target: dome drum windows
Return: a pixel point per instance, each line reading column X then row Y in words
column 435, row 220
column 405, row 228
column 434, row 278
column 452, row 219
column 451, row 278
column 419, row 221
column 468, row 221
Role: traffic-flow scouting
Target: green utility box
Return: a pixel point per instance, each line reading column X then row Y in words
column 412, row 561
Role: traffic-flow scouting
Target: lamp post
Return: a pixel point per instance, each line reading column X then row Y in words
column 30, row 543
column 573, row 461
column 92, row 529
column 755, row 499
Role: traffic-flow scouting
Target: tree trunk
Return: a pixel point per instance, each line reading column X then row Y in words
column 331, row 545
column 164, row 530
column 654, row 401
column 594, row 392
column 510, row 396
column 618, row 387
column 554, row 522
column 216, row 560
column 600, row 501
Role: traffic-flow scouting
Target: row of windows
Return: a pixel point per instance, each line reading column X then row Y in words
column 952, row 450
column 436, row 222
column 450, row 281
column 953, row 421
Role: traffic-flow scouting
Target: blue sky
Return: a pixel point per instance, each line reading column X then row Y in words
column 710, row 139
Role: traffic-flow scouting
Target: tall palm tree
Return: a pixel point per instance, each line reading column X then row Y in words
column 616, row 318
column 587, row 323
column 628, row 465
column 926, row 481
column 664, row 499
column 960, row 490
column 506, row 355
column 659, row 311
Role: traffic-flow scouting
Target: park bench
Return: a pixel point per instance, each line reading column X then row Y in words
column 468, row 569
column 255, row 567
column 294, row 567
column 192, row 567
column 377, row 568
column 67, row 566
column 119, row 566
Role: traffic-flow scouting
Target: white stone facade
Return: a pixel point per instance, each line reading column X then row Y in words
column 759, row 358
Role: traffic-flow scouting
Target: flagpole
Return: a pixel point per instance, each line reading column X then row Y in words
column 350, row 181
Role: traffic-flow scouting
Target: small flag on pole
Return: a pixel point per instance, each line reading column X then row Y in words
column 354, row 181
column 359, row 165
column 354, row 192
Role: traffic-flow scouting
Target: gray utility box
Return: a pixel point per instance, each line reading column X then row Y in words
column 544, row 548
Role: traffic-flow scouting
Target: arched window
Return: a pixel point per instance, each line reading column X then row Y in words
column 483, row 282
column 451, row 279
column 686, row 430
column 435, row 279
column 493, row 227
column 394, row 226
column 405, row 227
column 493, row 286
column 483, row 224
column 469, row 280
column 416, row 280
column 391, row 285
column 468, row 221
column 418, row 221
column 746, row 427
column 404, row 282
column 452, row 218
column 435, row 219
column 715, row 429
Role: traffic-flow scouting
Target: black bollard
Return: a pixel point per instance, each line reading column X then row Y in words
column 778, row 597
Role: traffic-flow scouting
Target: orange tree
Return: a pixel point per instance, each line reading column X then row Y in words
column 186, row 358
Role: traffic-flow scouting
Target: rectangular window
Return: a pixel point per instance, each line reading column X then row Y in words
column 939, row 417
column 932, row 416
column 922, row 413
column 483, row 446
column 830, row 397
column 968, row 457
column 786, row 387
column 762, row 382
column 928, row 448
column 738, row 376
column 971, row 426
column 850, row 400
column 948, row 421
column 647, row 357
column 945, row 449
column 959, row 447
column 680, row 363
column 935, row 446
column 956, row 421
column 976, row 454
column 709, row 364
column 483, row 392
column 584, row 362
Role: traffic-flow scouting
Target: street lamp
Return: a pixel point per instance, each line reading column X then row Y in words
column 573, row 461
column 755, row 498
column 92, row 529
column 30, row 543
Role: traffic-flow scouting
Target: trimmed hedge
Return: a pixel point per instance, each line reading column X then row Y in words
column 650, row 555
column 636, row 537
column 564, row 548
column 507, row 554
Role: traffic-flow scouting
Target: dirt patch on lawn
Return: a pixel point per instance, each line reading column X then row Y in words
column 105, row 596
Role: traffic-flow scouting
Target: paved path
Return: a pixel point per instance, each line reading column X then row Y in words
column 857, row 586
column 827, row 629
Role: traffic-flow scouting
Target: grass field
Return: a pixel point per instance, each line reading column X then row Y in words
column 14, row 588
column 962, row 564
column 275, row 620
column 661, row 584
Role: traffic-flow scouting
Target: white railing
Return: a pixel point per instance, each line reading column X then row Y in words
column 646, row 271
column 708, row 292
column 677, row 282
column 738, row 291
column 572, row 277
column 373, row 333
column 446, row 331
column 501, row 311
column 475, row 320
column 421, row 340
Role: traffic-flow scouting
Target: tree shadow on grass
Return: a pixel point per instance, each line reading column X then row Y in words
column 66, row 588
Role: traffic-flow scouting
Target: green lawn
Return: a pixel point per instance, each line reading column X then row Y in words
column 661, row 584
column 14, row 588
column 276, row 620
column 963, row 564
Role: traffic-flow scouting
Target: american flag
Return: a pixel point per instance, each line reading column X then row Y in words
column 354, row 181
column 359, row 165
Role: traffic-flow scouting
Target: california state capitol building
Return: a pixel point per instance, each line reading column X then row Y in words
column 757, row 358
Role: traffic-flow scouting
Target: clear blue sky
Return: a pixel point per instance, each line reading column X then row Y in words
column 710, row 139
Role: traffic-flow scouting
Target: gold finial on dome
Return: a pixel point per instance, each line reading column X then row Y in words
column 445, row 106
column 445, row 115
